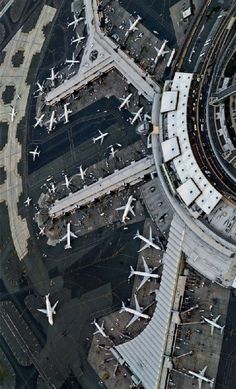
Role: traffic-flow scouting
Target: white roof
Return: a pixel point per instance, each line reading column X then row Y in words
column 170, row 149
column 188, row 191
column 185, row 164
column 169, row 101
column 187, row 12
column 145, row 353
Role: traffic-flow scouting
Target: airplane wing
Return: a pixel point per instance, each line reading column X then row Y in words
column 202, row 372
column 216, row 319
column 131, row 210
column 144, row 280
column 212, row 329
column 144, row 247
column 165, row 52
column 43, row 311
column 102, row 139
column 73, row 235
column 120, row 208
column 146, row 268
column 150, row 234
column 199, row 383
column 63, row 238
column 130, row 23
column 134, row 318
column 137, row 306
column 54, row 306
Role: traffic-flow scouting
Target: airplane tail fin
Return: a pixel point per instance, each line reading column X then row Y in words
column 131, row 272
column 68, row 246
column 122, row 307
column 222, row 329
column 136, row 235
column 94, row 140
column 212, row 383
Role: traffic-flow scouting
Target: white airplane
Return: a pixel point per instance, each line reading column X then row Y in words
column 161, row 52
column 53, row 188
column 100, row 137
column 34, row 153
column 40, row 88
column 41, row 230
column 66, row 112
column 127, row 208
column 49, row 311
column 39, row 120
column 125, row 102
column 72, row 61
column 27, row 201
column 75, row 22
column 137, row 312
column 201, row 377
column 51, row 121
column 100, row 329
column 67, row 182
column 146, row 274
column 82, row 172
column 13, row 113
column 67, row 237
column 53, row 76
column 213, row 324
column 132, row 26
column 148, row 242
column 137, row 115
column 78, row 39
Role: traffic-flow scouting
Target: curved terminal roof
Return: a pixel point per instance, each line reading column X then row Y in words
column 185, row 164
column 145, row 354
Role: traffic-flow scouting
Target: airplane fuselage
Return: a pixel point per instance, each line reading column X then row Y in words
column 126, row 101
column 136, row 313
column 137, row 115
column 127, row 207
column 149, row 242
column 212, row 323
column 49, row 311
column 144, row 274
column 201, row 377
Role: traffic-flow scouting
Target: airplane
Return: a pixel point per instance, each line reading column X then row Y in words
column 75, row 22
column 13, row 113
column 34, row 153
column 67, row 237
column 72, row 61
column 132, row 26
column 137, row 312
column 127, row 208
column 100, row 329
column 39, row 120
column 67, row 182
column 82, row 172
column 161, row 52
column 146, row 274
column 40, row 88
column 113, row 151
column 125, row 102
column 78, row 39
column 41, row 230
column 53, row 188
column 27, row 201
column 213, row 324
column 53, row 76
column 148, row 242
column 49, row 311
column 66, row 113
column 100, row 137
column 137, row 115
column 201, row 377
column 51, row 121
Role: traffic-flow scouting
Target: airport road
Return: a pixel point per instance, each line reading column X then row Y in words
column 11, row 153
